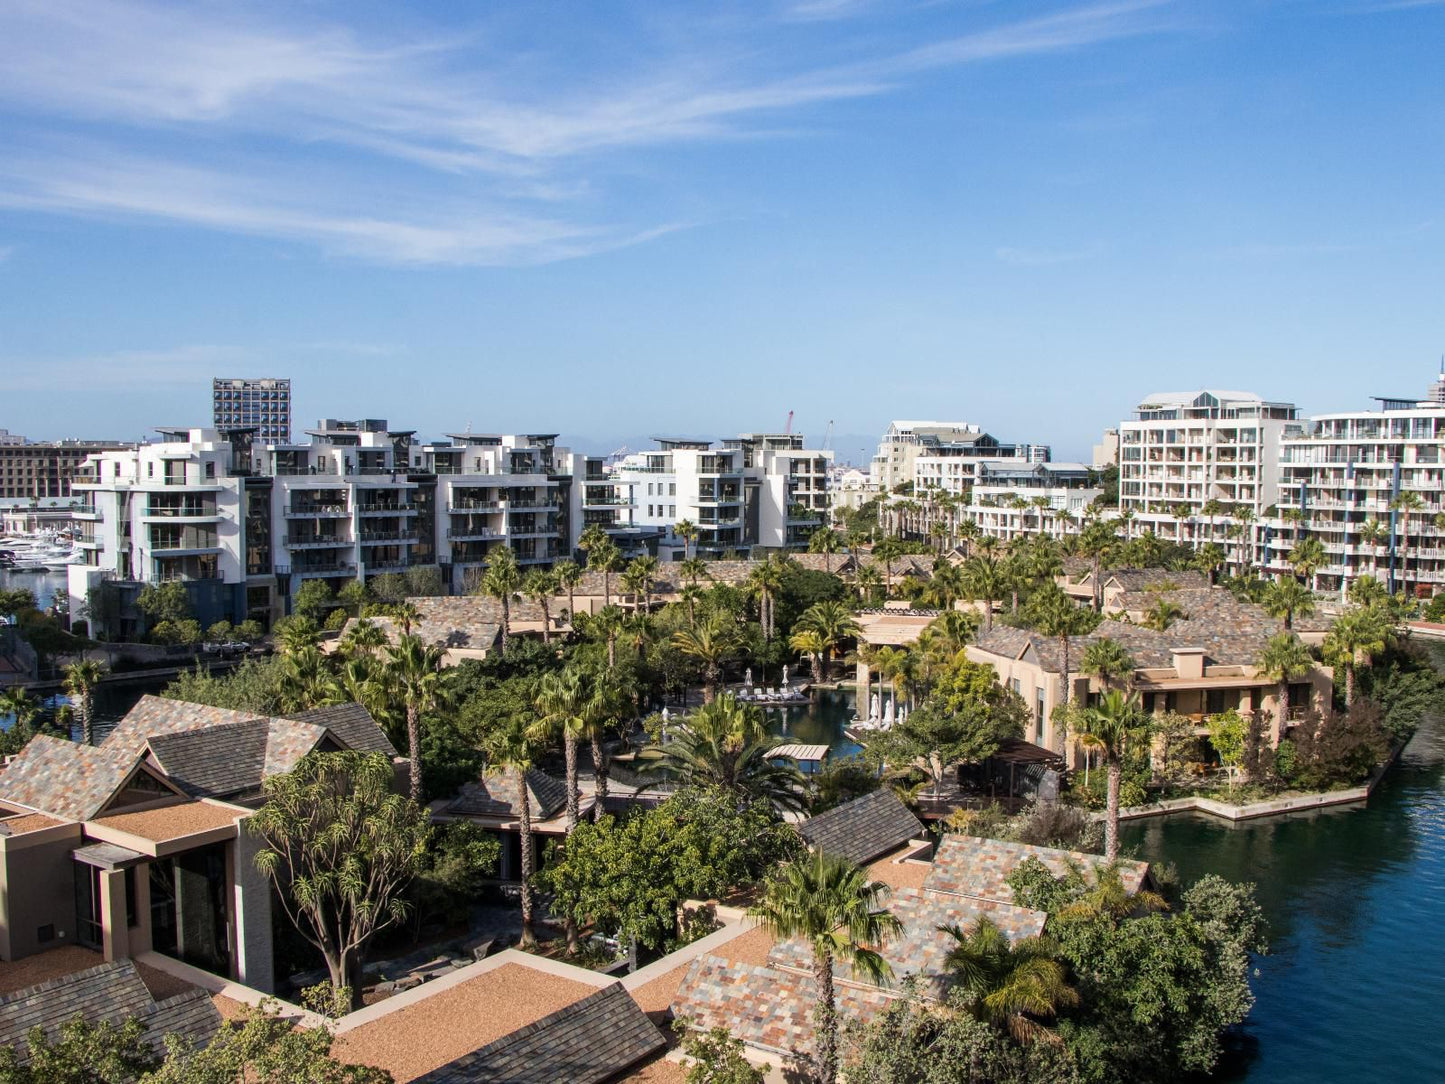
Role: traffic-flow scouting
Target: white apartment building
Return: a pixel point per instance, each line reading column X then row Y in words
column 1012, row 498
column 758, row 489
column 940, row 454
column 1184, row 450
column 1369, row 485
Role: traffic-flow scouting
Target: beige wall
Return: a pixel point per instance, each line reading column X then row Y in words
column 37, row 888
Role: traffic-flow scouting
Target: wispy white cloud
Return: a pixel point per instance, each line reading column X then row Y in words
column 501, row 154
column 123, row 370
column 1044, row 257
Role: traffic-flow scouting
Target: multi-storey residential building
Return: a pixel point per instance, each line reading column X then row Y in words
column 1188, row 458
column 245, row 525
column 44, row 468
column 601, row 497
column 1011, row 498
column 1368, row 484
column 263, row 405
column 940, row 454
column 759, row 489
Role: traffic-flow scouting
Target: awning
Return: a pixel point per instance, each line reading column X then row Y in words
column 1018, row 751
column 108, row 856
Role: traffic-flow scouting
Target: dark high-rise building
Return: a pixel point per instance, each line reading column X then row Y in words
column 263, row 405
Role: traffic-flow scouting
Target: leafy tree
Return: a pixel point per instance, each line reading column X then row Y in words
column 164, row 602
column 254, row 686
column 312, row 599
column 841, row 780
column 1402, row 681
column 220, row 632
column 81, row 678
column 725, row 745
column 15, row 601
column 715, row 1057
column 1011, row 985
column 1112, row 725
column 501, row 581
column 830, row 903
column 81, row 1053
column 414, row 671
column 340, row 849
column 453, row 871
column 296, row 633
column 424, row 581
column 1227, row 734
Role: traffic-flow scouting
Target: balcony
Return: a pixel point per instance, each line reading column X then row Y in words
column 377, row 538
column 317, row 511
column 384, row 566
column 518, row 505
column 314, row 542
column 387, row 510
column 469, row 534
column 187, row 512
column 316, row 571
column 469, row 505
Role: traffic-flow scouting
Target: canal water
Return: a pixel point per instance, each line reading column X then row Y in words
column 1356, row 903
column 819, row 722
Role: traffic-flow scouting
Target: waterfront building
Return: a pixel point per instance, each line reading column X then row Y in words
column 1190, row 462
column 758, row 489
column 44, row 469
column 1368, row 485
column 260, row 404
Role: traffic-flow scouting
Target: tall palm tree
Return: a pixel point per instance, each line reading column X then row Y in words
column 1307, row 557
column 691, row 594
column 562, row 702
column 1357, row 633
column 946, row 585
column 1287, row 599
column 1285, row 659
column 765, row 581
column 1055, row 614
column 1011, row 985
column 830, row 903
column 569, row 574
column 415, row 670
column 725, row 744
column 1111, row 726
column 984, row 582
column 501, row 581
column 638, row 579
column 1209, row 559
column 825, row 540
column 711, row 643
column 687, row 531
column 1372, row 533
column 511, row 748
column 1243, row 515
column 868, row 580
column 809, row 642
column 833, row 622
column 607, row 707
column 81, row 678
column 887, row 551
column 1408, row 503
column 606, row 558
column 1098, row 541
column 1108, row 661
column 607, row 624
column 693, row 570
column 540, row 585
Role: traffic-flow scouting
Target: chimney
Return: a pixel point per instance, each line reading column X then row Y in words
column 1189, row 662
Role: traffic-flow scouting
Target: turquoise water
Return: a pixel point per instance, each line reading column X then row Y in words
column 819, row 722
column 1356, row 903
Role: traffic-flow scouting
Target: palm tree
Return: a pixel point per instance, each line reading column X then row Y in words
column 638, row 579
column 691, row 595
column 710, row 643
column 562, row 701
column 825, row 541
column 946, row 585
column 809, row 642
column 501, row 581
column 569, row 574
column 1209, row 559
column 510, row 747
column 1372, row 533
column 887, row 551
column 687, row 531
column 364, row 638
column 81, row 678
column 725, row 744
column 606, row 558
column 297, row 633
column 1055, row 614
column 606, row 624
column 1109, row 661
column 693, row 570
column 1306, row 558
column 984, row 582
column 25, row 709
column 607, row 706
column 1285, row 659
column 1287, row 599
column 1356, row 634
column 868, row 580
column 1162, row 614
column 1111, row 726
column 406, row 615
column 1406, row 504
column 765, row 581
column 540, row 585
column 307, row 681
column 833, row 622
column 1008, row 984
column 830, row 903
column 1243, row 514
column 415, row 670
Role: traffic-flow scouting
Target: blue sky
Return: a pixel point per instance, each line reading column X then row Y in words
column 611, row 220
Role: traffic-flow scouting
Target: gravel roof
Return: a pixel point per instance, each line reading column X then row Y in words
column 972, row 866
column 864, row 828
column 587, row 1042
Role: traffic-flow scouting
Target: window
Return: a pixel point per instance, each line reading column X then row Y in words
column 210, row 468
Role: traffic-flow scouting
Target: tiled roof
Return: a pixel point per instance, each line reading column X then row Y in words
column 587, row 1042
column 352, row 724
column 864, row 828
column 112, row 992
column 287, row 741
column 1140, row 579
column 468, row 622
column 64, row 778
column 154, row 715
column 217, row 762
column 921, row 947
column 971, row 866
column 766, row 1007
column 496, row 795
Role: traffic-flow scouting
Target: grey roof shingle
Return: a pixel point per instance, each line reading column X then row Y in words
column 112, row 992
column 154, row 715
column 587, row 1042
column 973, row 866
column 217, row 762
column 496, row 796
column 864, row 828
column 352, row 724
column 65, row 778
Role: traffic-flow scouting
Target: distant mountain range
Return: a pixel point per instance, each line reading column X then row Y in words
column 854, row 448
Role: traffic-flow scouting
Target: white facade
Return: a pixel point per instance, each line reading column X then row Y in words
column 1013, row 498
column 1184, row 450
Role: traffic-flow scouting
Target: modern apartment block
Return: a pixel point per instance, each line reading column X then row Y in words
column 758, row 489
column 260, row 404
column 1370, row 485
column 1011, row 498
column 941, row 455
column 1184, row 450
column 41, row 469
column 244, row 525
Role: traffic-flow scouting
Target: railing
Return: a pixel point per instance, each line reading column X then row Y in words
column 463, row 533
column 324, row 570
column 387, row 509
column 528, row 502
column 375, row 537
column 313, row 542
column 317, row 510
column 196, row 511
column 467, row 505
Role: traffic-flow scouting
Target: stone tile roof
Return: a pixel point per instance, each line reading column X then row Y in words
column 864, row 828
column 971, row 866
column 1140, row 579
column 218, row 762
column 287, row 741
column 112, row 992
column 496, row 795
column 64, row 778
column 921, row 947
column 352, row 724
column 588, row 1042
column 467, row 622
column 766, row 1007
column 153, row 715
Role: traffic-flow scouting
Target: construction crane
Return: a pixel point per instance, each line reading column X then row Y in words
column 788, row 429
column 827, row 435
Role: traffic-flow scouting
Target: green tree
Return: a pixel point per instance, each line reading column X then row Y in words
column 711, row 644
column 1108, row 661
column 312, row 599
column 1356, row 633
column 725, row 745
column 830, row 903
column 1162, row 614
column 603, row 556
column 715, row 1057
column 296, row 633
column 413, row 670
column 1054, row 613
column 540, row 585
column 81, row 1053
column 81, row 678
column 501, row 581
column 569, row 574
column 639, row 577
column 1287, row 599
column 164, row 602
column 1284, row 660
column 1112, row 725
column 341, row 848
column 25, row 709
column 1098, row 541
column 511, row 747
column 1307, row 557
column 833, row 623
column 687, row 531
column 984, row 581
column 1011, row 985
column 827, row 542
column 1227, row 734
